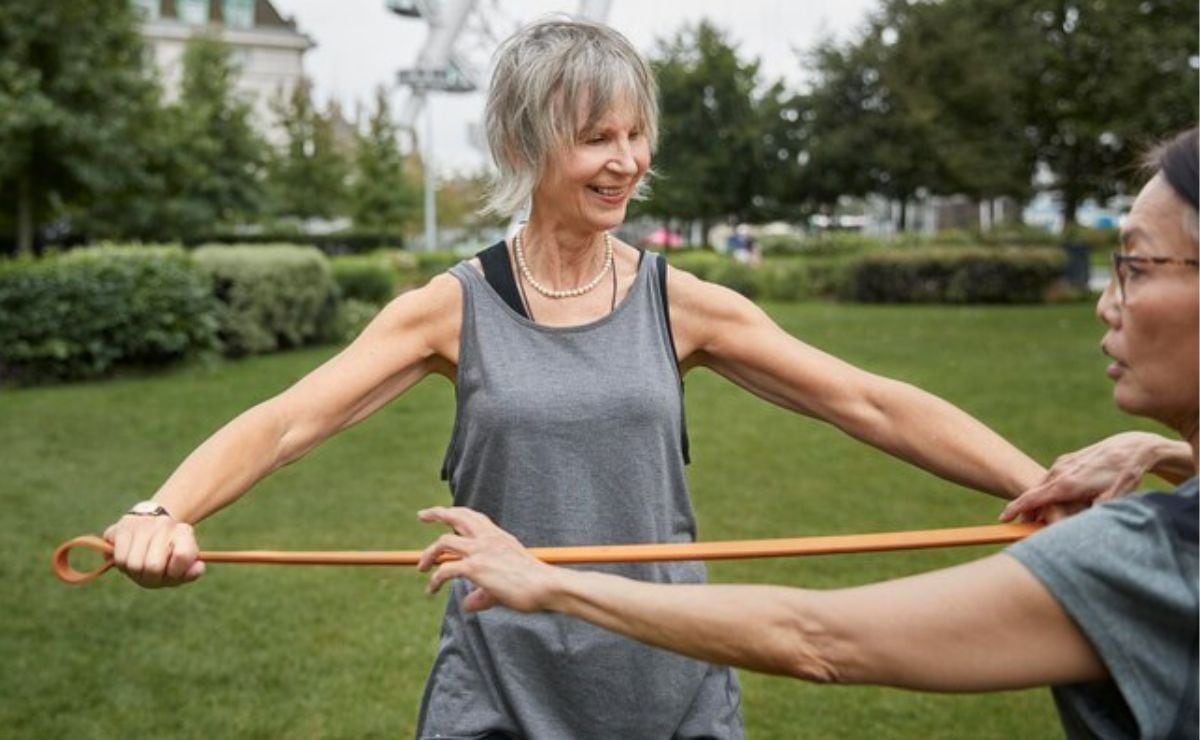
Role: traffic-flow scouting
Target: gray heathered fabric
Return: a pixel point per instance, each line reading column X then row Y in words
column 569, row 436
column 1128, row 578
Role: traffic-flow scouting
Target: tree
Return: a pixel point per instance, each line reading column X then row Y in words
column 710, row 143
column 218, row 145
column 950, row 62
column 75, row 101
column 968, row 96
column 308, row 174
column 202, row 160
column 1100, row 79
column 863, row 131
column 383, row 197
column 459, row 201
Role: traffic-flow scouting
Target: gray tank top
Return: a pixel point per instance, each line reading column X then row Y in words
column 570, row 436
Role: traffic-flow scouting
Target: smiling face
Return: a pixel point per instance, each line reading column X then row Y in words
column 1154, row 336
column 587, row 183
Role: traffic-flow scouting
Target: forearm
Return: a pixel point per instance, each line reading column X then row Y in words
column 929, row 432
column 984, row 626
column 762, row 628
column 1172, row 460
column 226, row 465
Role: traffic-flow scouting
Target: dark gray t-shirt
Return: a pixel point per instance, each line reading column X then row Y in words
column 1126, row 573
column 571, row 436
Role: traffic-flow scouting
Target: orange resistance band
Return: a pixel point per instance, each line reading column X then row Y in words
column 728, row 550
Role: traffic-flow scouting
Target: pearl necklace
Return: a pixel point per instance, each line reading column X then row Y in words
column 569, row 292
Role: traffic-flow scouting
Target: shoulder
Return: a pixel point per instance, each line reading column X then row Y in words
column 1126, row 557
column 703, row 300
column 441, row 294
column 706, row 316
column 432, row 312
column 1126, row 574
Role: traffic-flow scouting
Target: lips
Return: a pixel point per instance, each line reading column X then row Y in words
column 610, row 195
column 1115, row 369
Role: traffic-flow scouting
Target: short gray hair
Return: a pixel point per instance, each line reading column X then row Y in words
column 541, row 74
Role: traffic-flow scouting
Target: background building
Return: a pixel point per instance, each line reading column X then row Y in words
column 266, row 47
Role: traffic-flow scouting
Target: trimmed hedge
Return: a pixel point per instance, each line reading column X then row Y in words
column 84, row 313
column 346, row 242
column 274, row 296
column 967, row 275
column 367, row 278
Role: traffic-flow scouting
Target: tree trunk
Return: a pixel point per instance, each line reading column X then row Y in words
column 24, row 214
column 903, row 224
column 1070, row 203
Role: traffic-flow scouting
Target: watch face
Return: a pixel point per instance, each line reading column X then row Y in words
column 147, row 508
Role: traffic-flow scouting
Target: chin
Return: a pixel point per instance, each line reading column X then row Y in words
column 609, row 221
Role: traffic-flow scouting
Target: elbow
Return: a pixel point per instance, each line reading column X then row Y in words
column 283, row 441
column 812, row 651
column 813, row 669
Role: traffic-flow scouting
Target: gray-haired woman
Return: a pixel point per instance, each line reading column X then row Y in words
column 567, row 348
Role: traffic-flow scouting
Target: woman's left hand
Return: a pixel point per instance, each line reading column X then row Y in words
column 1099, row 472
column 500, row 568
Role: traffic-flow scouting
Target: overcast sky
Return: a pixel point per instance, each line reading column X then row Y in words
column 360, row 45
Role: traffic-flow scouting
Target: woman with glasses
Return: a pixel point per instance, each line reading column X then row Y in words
column 1102, row 606
column 1114, row 466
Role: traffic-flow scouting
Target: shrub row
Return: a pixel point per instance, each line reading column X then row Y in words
column 979, row 275
column 344, row 242
column 80, row 315
column 920, row 275
column 274, row 296
column 847, row 243
column 84, row 313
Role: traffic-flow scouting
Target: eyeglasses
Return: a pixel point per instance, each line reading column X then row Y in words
column 1126, row 264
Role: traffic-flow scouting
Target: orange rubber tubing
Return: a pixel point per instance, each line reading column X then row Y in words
column 727, row 550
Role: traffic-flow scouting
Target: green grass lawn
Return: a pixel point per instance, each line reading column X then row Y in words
column 318, row 652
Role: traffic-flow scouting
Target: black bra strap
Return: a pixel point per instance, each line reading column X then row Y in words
column 666, row 307
column 497, row 270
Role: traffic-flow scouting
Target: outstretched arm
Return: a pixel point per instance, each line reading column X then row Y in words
column 987, row 625
column 719, row 329
column 412, row 337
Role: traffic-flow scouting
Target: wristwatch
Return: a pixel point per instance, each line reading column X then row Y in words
column 148, row 508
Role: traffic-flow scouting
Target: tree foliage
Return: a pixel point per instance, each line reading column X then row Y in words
column 968, row 96
column 308, row 173
column 201, row 165
column 709, row 147
column 384, row 199
column 75, row 103
column 1100, row 80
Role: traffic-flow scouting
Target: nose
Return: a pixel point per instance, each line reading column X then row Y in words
column 1108, row 308
column 622, row 159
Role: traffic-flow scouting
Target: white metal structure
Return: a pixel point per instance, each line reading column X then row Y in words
column 456, row 28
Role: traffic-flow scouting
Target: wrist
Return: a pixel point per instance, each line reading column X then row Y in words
column 149, row 508
column 559, row 589
column 1172, row 458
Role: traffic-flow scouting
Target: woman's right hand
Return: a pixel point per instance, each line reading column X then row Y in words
column 155, row 551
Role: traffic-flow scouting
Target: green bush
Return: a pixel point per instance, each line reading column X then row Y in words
column 416, row 268
column 820, row 244
column 367, row 278
column 343, row 242
column 274, row 296
column 961, row 275
column 353, row 316
column 84, row 313
column 699, row 262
